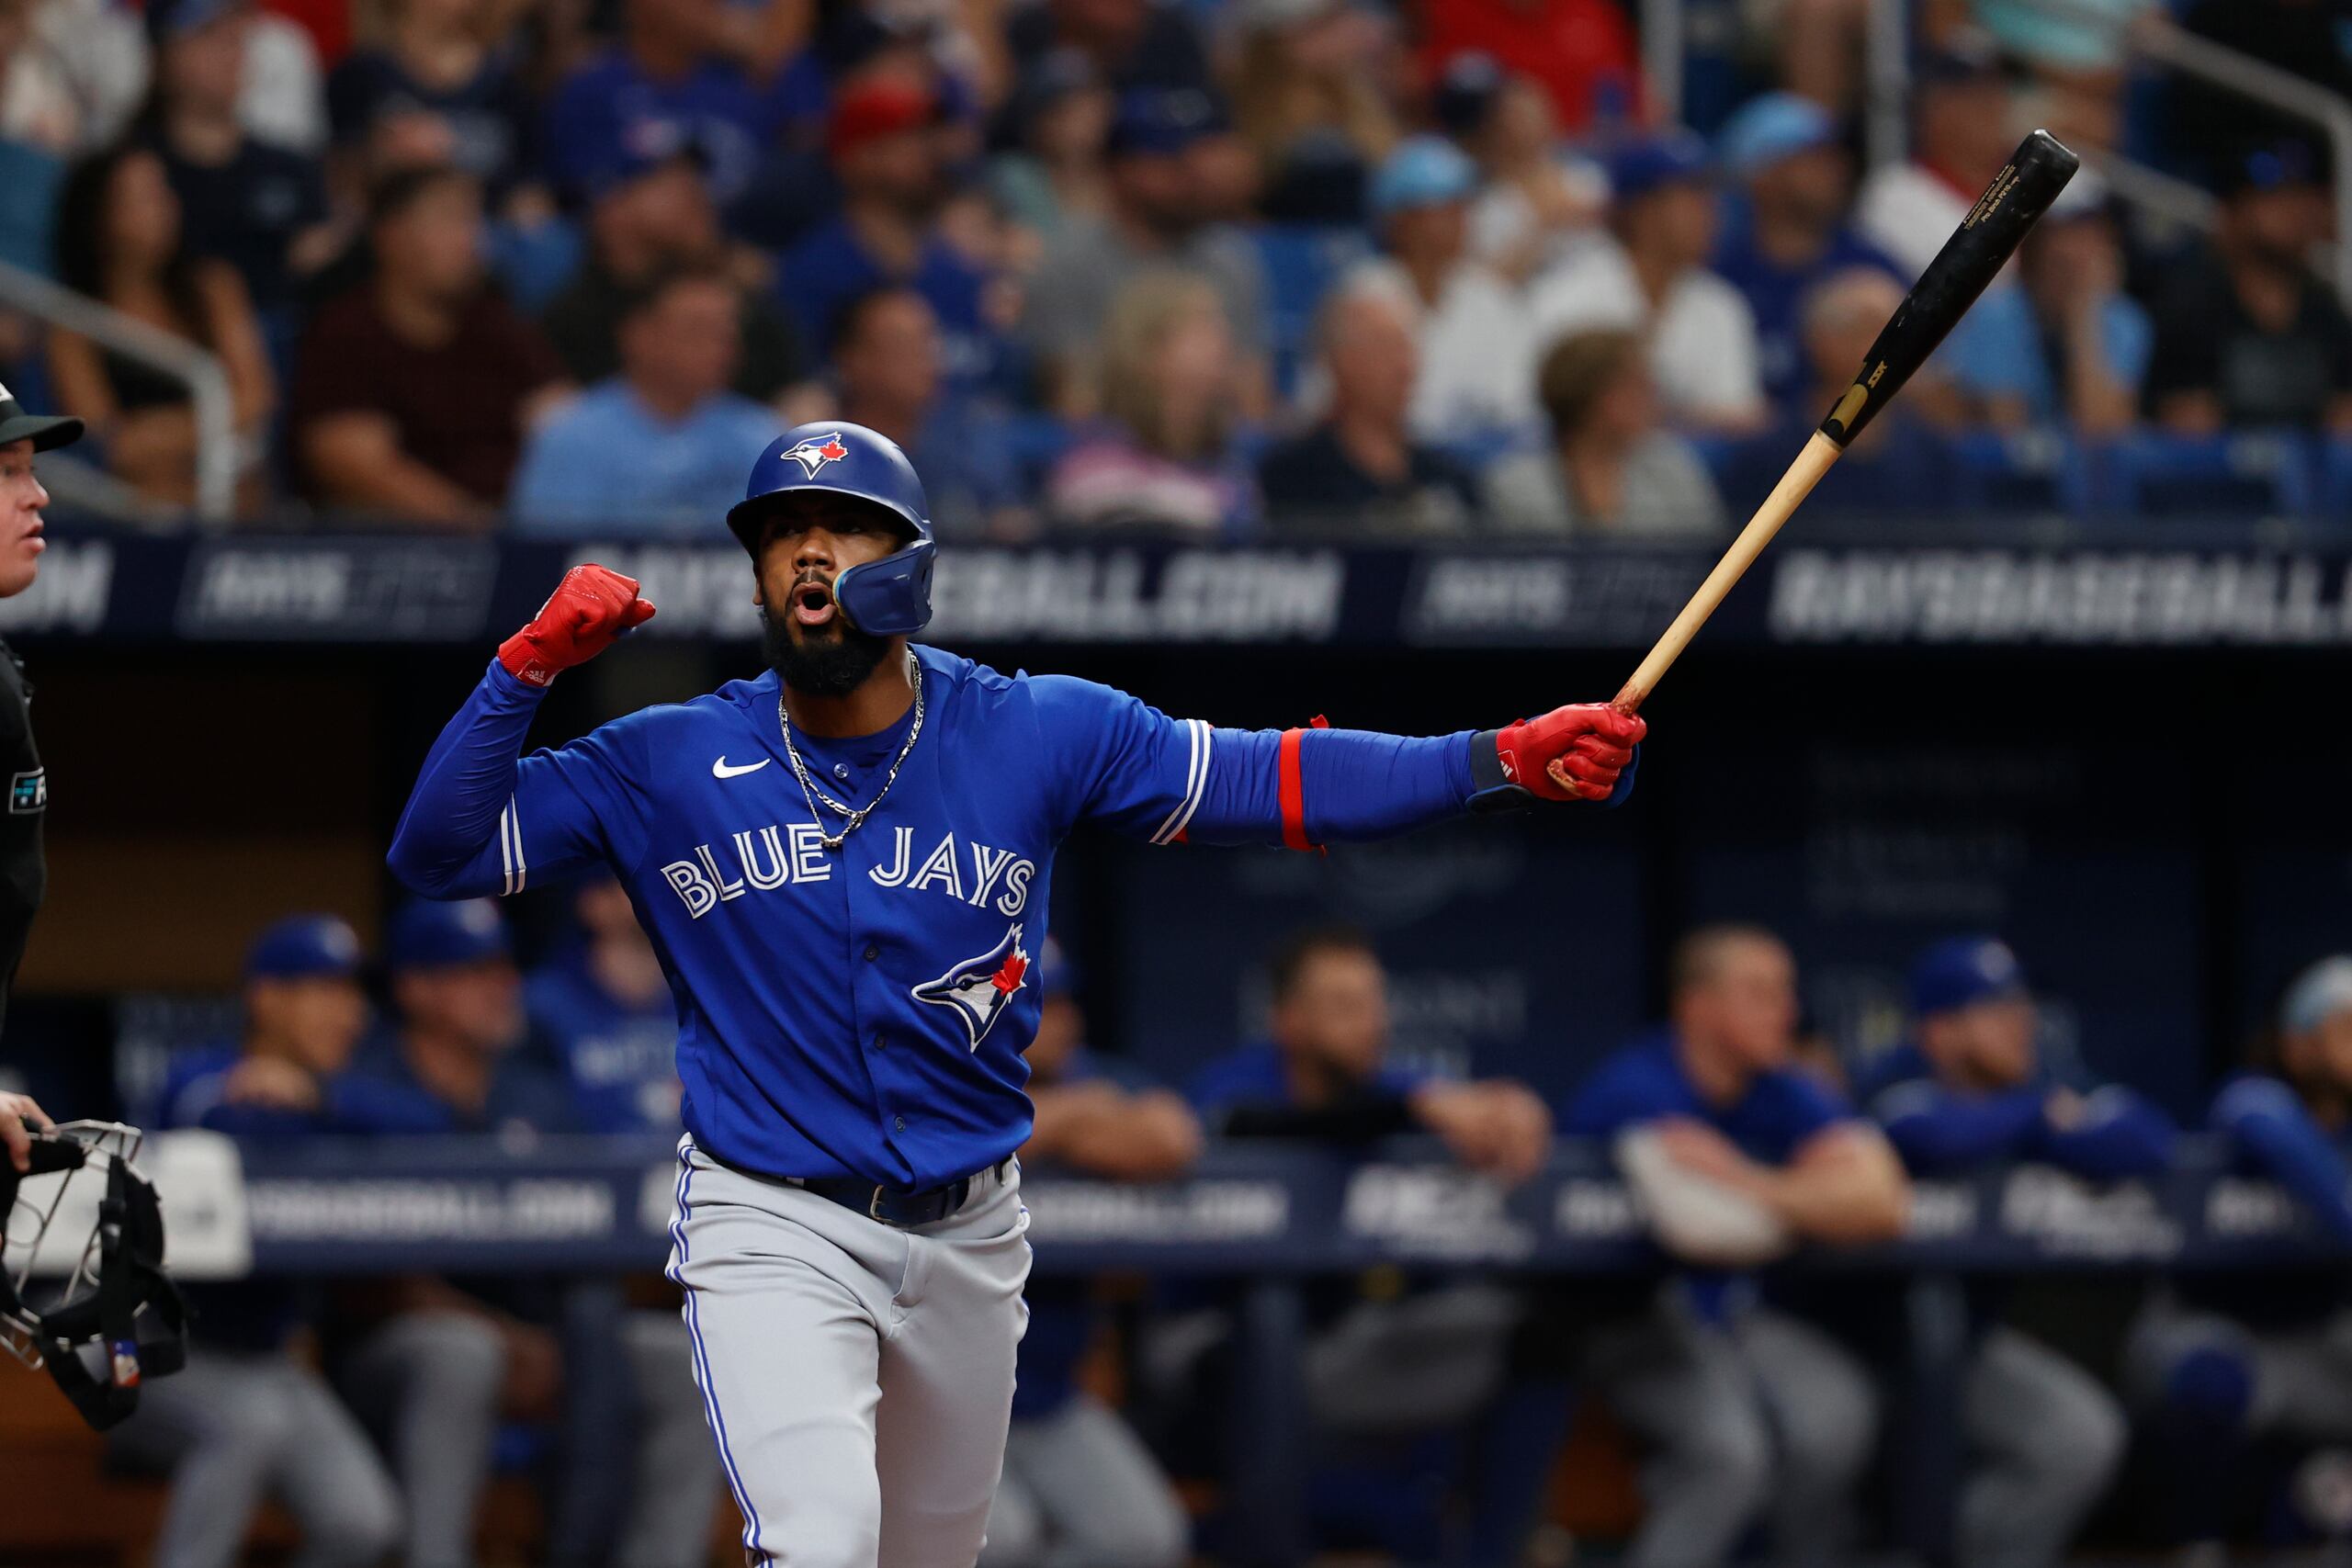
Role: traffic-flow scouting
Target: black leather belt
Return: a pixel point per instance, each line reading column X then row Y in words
column 898, row 1207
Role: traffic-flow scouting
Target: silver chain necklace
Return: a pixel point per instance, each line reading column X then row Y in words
column 809, row 790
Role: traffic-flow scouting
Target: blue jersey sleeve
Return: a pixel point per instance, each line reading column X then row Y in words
column 2271, row 1131
column 1130, row 767
column 2118, row 1135
column 1625, row 1092
column 1937, row 1132
column 484, row 820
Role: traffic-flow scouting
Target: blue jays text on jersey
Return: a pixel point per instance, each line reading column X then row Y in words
column 862, row 1012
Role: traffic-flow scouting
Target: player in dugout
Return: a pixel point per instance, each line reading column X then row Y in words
column 853, row 1004
column 1971, row 1088
column 24, row 874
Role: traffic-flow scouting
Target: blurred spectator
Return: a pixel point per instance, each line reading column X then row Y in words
column 887, row 368
column 247, row 1419
column 1360, row 470
column 2068, row 349
column 663, row 447
column 1078, row 1486
column 1900, row 464
column 282, row 99
column 1962, row 133
column 652, row 213
column 120, row 240
column 1582, row 52
column 1788, row 230
column 603, row 1005
column 1475, row 377
column 1968, row 1091
column 1649, row 273
column 1165, row 455
column 1815, row 46
column 75, row 84
column 261, row 209
column 1536, row 202
column 1735, row 1157
column 1323, row 1072
column 2078, row 57
column 2212, row 126
column 886, row 150
column 1307, row 90
column 2228, row 1358
column 33, row 145
column 630, row 1485
column 664, row 85
column 1131, row 43
column 1609, row 467
column 1159, row 220
column 2246, row 335
column 1053, row 172
column 436, row 74
column 415, row 387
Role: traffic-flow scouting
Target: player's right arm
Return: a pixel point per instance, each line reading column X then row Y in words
column 485, row 819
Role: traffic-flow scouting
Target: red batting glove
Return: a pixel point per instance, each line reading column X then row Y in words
column 1570, row 753
column 592, row 605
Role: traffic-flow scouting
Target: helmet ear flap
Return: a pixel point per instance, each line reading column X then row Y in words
column 890, row 597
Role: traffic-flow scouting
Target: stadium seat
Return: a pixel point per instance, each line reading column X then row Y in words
column 2025, row 471
column 2242, row 474
column 1302, row 261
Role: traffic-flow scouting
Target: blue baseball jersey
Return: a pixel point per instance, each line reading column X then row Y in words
column 1777, row 1115
column 621, row 1059
column 1938, row 1128
column 862, row 1012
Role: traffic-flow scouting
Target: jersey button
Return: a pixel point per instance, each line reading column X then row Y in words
column 841, row 770
column 871, row 952
column 881, row 1042
column 899, row 1124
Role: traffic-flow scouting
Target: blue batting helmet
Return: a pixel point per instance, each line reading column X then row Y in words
column 890, row 597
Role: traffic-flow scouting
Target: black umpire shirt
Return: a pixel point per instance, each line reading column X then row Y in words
column 24, row 873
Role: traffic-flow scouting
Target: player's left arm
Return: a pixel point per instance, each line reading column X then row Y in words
column 1132, row 768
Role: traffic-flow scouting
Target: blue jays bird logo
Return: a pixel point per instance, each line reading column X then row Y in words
column 814, row 454
column 980, row 988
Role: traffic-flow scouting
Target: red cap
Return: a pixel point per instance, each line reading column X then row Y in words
column 878, row 107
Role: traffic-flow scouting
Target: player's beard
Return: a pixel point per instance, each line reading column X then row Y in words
column 822, row 667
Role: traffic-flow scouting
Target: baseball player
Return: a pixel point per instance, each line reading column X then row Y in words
column 24, row 873
column 844, row 865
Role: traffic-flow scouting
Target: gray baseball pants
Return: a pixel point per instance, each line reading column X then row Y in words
column 857, row 1378
column 1082, row 1490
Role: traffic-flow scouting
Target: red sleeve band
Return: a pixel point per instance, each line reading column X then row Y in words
column 1293, row 788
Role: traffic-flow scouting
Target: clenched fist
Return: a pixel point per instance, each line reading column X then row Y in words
column 590, row 608
column 1578, row 752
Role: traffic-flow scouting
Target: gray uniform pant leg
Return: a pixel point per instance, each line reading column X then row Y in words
column 1823, row 1412
column 674, row 1490
column 858, row 1378
column 235, row 1427
column 430, row 1381
column 1678, row 1385
column 1082, row 1490
column 2047, row 1440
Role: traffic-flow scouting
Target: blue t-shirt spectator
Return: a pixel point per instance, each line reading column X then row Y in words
column 1776, row 296
column 1899, row 466
column 349, row 1102
column 831, row 266
column 2001, row 349
column 1774, row 1117
column 609, row 460
column 971, row 471
column 1254, row 1076
column 525, row 1095
column 611, row 111
column 621, row 1058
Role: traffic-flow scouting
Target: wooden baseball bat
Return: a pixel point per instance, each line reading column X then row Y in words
column 1977, row 249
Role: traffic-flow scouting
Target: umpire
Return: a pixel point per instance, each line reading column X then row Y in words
column 22, row 870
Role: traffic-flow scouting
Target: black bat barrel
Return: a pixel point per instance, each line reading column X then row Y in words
column 2018, row 196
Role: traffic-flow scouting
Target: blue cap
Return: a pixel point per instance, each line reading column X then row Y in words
column 1652, row 163
column 646, row 146
column 1961, row 972
column 1424, row 171
column 1770, row 128
column 2318, row 993
column 1161, row 121
column 429, row 934
column 1056, row 975
column 169, row 19
column 303, row 947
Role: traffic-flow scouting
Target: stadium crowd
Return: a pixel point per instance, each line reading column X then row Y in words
column 1220, row 270
column 376, row 1410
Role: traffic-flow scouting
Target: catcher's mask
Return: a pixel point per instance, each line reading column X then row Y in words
column 103, row 1317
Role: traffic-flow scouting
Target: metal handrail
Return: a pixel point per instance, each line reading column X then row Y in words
column 215, row 410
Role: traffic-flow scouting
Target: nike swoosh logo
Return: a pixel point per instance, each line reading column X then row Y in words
column 720, row 770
